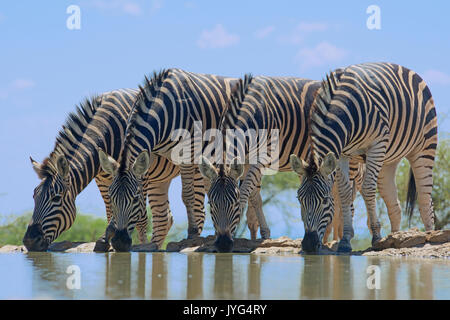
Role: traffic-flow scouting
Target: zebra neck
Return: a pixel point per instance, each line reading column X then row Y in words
column 81, row 178
column 327, row 135
column 85, row 166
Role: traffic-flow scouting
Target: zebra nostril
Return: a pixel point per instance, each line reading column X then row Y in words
column 121, row 241
column 35, row 244
column 224, row 243
column 310, row 242
column 34, row 238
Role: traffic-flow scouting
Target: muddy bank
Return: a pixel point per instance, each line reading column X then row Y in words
column 432, row 244
column 414, row 243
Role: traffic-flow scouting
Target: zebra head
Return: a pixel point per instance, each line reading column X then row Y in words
column 127, row 198
column 315, row 197
column 54, row 203
column 223, row 198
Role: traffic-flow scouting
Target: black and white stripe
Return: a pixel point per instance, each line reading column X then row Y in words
column 377, row 113
column 99, row 122
column 171, row 100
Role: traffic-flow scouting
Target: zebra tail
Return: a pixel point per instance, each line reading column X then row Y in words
column 411, row 196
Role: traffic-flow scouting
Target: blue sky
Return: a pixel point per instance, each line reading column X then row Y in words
column 46, row 69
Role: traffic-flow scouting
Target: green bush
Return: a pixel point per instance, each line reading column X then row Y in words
column 86, row 228
column 13, row 229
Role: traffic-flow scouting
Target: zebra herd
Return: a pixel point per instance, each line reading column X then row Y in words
column 344, row 134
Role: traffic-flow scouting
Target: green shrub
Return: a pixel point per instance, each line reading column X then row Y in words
column 86, row 228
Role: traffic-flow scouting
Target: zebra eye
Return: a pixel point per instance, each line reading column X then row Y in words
column 56, row 198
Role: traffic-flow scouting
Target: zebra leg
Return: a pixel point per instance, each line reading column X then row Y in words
column 255, row 201
column 327, row 233
column 252, row 221
column 141, row 228
column 345, row 198
column 251, row 180
column 162, row 219
column 388, row 191
column 374, row 163
column 103, row 183
column 188, row 195
column 200, row 187
column 422, row 168
column 336, row 223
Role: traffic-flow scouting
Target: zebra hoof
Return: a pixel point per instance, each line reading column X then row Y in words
column 193, row 235
column 375, row 239
column 101, row 246
column 344, row 246
column 265, row 234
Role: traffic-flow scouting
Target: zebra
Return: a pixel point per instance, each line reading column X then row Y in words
column 169, row 101
column 99, row 122
column 270, row 103
column 376, row 113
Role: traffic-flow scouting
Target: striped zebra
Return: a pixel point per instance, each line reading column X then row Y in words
column 170, row 101
column 279, row 105
column 376, row 113
column 98, row 123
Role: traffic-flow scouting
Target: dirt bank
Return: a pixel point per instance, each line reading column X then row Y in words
column 432, row 244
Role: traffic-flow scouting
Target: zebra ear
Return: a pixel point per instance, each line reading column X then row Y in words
column 329, row 164
column 236, row 169
column 62, row 166
column 141, row 164
column 207, row 169
column 37, row 167
column 108, row 164
column 297, row 165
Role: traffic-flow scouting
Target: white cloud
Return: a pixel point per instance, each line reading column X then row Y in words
column 22, row 84
column 312, row 26
column 14, row 86
column 264, row 32
column 300, row 32
column 132, row 8
column 435, row 77
column 319, row 55
column 218, row 37
column 156, row 5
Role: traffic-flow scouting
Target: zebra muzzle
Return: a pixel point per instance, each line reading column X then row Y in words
column 34, row 238
column 311, row 242
column 224, row 243
column 121, row 241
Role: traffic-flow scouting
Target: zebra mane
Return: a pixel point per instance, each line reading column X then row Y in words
column 237, row 96
column 71, row 134
column 319, row 111
column 147, row 93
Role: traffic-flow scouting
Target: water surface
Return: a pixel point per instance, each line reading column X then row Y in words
column 219, row 276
